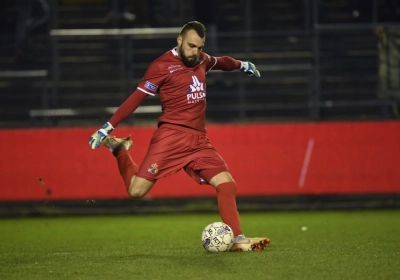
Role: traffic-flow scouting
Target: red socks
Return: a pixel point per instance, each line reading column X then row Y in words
column 226, row 196
column 127, row 168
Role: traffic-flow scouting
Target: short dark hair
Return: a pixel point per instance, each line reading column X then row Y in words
column 196, row 26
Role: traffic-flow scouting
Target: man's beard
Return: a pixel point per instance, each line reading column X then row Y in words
column 186, row 60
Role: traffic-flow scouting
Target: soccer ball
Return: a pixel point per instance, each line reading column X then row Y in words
column 217, row 237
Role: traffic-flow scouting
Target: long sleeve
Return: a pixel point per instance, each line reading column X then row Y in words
column 127, row 107
column 227, row 63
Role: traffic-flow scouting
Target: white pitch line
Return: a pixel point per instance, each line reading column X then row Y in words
column 306, row 162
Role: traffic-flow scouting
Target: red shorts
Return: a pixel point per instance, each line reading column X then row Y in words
column 174, row 147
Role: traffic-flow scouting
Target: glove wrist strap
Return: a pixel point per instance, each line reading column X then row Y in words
column 108, row 124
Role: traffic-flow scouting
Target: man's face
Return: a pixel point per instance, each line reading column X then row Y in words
column 189, row 48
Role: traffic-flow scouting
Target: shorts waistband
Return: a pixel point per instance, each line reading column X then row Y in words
column 182, row 128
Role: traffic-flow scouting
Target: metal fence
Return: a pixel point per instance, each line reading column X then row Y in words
column 321, row 70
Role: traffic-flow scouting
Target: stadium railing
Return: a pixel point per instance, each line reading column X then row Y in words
column 31, row 87
column 309, row 91
column 128, row 70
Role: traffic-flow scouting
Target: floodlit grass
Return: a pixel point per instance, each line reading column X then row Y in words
column 336, row 245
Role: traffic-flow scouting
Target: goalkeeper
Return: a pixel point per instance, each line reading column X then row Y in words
column 180, row 142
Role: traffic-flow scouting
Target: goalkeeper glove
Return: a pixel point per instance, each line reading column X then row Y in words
column 250, row 69
column 99, row 135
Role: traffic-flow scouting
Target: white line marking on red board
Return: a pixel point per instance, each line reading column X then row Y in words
column 306, row 162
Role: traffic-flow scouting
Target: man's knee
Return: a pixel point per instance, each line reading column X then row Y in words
column 139, row 187
column 136, row 193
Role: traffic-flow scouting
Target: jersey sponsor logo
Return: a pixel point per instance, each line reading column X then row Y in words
column 197, row 92
column 153, row 169
column 173, row 68
column 150, row 86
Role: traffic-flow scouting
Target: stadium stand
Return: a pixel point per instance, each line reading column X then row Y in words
column 92, row 74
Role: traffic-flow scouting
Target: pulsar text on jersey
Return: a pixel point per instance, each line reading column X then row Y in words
column 197, row 92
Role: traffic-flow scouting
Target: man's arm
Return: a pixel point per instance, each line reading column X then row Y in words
column 128, row 107
column 152, row 80
column 227, row 63
column 123, row 111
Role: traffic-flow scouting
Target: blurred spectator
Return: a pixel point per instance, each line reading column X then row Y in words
column 117, row 10
column 163, row 13
column 141, row 10
column 389, row 65
column 31, row 15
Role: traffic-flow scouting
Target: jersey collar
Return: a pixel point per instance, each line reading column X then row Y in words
column 175, row 53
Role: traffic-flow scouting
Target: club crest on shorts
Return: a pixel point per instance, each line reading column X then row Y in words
column 153, row 169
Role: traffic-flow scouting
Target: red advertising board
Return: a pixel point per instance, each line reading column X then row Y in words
column 264, row 159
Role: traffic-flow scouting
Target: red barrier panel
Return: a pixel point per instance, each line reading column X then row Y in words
column 265, row 159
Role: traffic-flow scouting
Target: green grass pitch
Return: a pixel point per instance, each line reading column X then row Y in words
column 336, row 245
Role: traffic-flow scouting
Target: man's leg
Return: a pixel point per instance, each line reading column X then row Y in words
column 135, row 186
column 226, row 196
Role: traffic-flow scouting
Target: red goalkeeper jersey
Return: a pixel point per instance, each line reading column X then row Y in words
column 182, row 90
